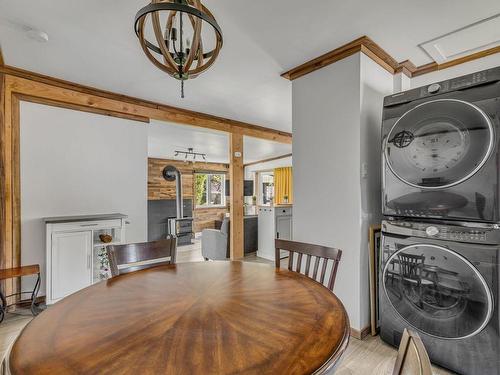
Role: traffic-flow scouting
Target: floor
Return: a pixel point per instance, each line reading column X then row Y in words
column 369, row 356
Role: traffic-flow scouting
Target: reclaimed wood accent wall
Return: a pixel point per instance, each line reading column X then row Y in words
column 204, row 218
column 159, row 188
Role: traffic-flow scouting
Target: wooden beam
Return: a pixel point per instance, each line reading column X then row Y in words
column 4, row 226
column 2, row 60
column 7, row 162
column 236, row 176
column 266, row 160
column 45, row 87
column 53, row 103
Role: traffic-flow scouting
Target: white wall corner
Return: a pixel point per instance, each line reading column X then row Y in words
column 401, row 82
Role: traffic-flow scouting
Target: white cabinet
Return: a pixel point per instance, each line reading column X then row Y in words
column 71, row 263
column 284, row 227
column 274, row 222
column 74, row 251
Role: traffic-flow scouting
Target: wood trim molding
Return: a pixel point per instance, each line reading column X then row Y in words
column 381, row 57
column 39, row 86
column 266, row 160
column 432, row 67
column 360, row 335
column 363, row 44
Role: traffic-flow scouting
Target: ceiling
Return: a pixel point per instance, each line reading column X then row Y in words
column 92, row 42
column 165, row 138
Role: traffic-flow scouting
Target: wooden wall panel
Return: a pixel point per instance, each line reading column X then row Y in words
column 204, row 218
column 159, row 188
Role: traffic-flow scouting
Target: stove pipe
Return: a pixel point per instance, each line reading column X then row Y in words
column 170, row 173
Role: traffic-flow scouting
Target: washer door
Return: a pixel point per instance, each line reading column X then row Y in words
column 439, row 144
column 437, row 291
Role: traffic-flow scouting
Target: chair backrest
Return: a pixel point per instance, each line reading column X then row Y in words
column 412, row 356
column 321, row 254
column 411, row 266
column 138, row 256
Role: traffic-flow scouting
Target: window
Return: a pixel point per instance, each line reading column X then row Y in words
column 210, row 189
column 266, row 188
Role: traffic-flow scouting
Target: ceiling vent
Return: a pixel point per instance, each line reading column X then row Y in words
column 471, row 39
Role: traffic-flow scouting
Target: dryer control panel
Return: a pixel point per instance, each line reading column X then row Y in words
column 469, row 232
column 459, row 83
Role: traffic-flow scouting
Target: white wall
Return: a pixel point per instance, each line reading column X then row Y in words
column 456, row 71
column 376, row 83
column 266, row 166
column 76, row 163
column 337, row 115
column 326, row 158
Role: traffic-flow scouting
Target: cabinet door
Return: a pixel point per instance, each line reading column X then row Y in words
column 70, row 268
column 284, row 227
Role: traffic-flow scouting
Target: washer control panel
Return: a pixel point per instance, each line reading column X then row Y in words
column 480, row 233
column 438, row 88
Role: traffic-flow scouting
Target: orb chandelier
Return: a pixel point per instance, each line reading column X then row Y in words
column 177, row 42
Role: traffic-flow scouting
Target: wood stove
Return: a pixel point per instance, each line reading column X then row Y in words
column 182, row 229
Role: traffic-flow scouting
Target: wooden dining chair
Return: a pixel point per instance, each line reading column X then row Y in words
column 321, row 254
column 137, row 256
column 412, row 357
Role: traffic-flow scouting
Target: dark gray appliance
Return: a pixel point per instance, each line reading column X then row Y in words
column 441, row 150
column 443, row 280
column 177, row 225
column 159, row 213
column 247, row 188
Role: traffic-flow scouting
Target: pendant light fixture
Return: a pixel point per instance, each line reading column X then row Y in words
column 177, row 44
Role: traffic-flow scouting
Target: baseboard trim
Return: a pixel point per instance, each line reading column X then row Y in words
column 25, row 303
column 360, row 335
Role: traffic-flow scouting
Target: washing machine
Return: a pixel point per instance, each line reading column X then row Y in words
column 442, row 281
column 441, row 150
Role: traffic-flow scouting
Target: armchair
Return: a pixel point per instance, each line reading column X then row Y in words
column 214, row 242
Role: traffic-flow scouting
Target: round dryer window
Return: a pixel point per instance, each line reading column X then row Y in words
column 439, row 144
column 437, row 291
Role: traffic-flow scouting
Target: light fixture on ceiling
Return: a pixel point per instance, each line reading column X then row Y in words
column 190, row 155
column 178, row 48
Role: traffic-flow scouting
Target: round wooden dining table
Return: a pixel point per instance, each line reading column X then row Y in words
column 191, row 318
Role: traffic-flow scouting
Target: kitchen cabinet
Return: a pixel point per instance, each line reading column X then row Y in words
column 70, row 266
column 74, row 251
column 274, row 222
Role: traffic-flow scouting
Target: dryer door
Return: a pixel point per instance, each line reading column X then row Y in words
column 439, row 144
column 437, row 291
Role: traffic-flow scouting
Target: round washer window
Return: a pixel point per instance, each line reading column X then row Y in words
column 437, row 291
column 439, row 144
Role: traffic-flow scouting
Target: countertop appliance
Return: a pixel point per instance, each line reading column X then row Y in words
column 441, row 150
column 443, row 281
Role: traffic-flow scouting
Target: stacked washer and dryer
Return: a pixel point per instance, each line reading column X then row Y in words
column 440, row 253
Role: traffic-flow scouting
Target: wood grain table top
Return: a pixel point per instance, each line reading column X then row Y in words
column 191, row 318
